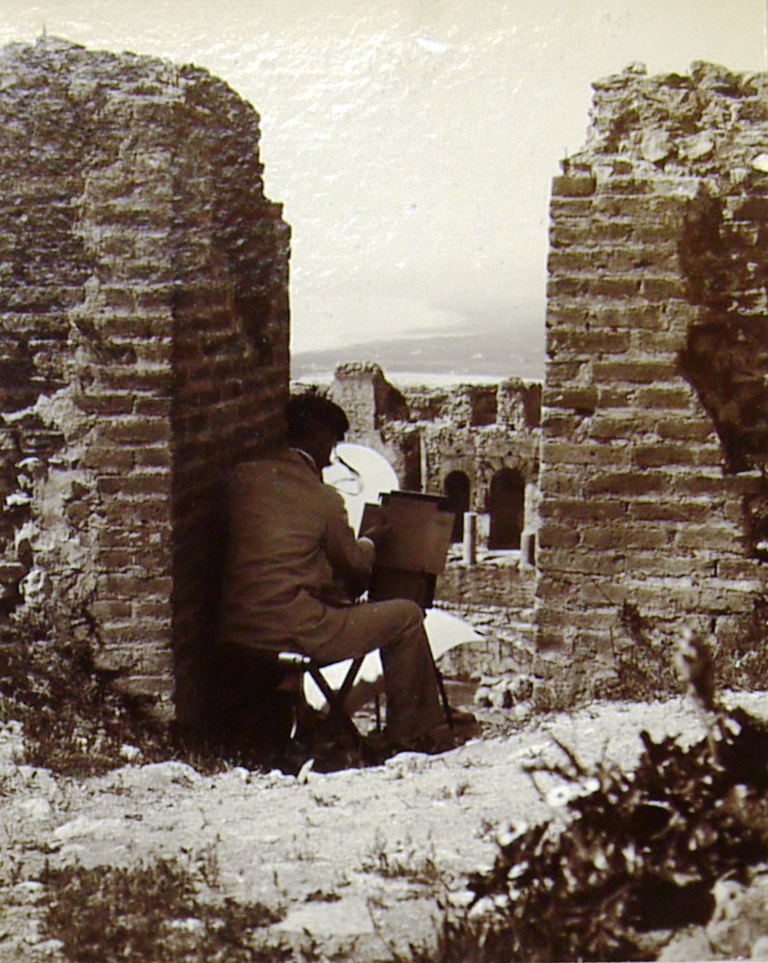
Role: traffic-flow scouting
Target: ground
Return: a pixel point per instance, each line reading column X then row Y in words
column 354, row 862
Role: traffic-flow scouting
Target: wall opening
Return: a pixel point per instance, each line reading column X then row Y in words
column 506, row 506
column 484, row 407
column 457, row 490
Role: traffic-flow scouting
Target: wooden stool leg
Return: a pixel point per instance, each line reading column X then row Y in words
column 335, row 703
column 441, row 690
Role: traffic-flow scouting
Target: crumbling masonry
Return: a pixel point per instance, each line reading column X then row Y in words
column 654, row 502
column 143, row 347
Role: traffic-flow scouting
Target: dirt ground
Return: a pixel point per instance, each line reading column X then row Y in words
column 355, row 861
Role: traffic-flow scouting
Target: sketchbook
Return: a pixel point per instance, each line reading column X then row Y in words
column 420, row 534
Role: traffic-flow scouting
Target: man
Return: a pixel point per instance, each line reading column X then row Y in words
column 294, row 568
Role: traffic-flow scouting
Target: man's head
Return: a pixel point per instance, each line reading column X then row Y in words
column 316, row 425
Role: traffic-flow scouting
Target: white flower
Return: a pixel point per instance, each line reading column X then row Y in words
column 561, row 795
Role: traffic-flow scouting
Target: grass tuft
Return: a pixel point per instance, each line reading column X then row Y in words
column 151, row 914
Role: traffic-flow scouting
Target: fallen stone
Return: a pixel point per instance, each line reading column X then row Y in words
column 36, row 808
column 346, row 917
column 85, row 826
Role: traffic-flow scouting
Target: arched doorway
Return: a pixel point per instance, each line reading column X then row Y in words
column 456, row 488
column 506, row 501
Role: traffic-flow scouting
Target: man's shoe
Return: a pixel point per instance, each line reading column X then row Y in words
column 377, row 747
column 444, row 738
column 457, row 717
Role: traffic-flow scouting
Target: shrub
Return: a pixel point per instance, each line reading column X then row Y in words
column 636, row 853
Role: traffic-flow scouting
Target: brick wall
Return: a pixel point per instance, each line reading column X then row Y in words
column 143, row 347
column 655, row 403
column 495, row 596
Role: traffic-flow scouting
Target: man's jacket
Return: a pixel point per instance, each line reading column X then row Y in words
column 290, row 551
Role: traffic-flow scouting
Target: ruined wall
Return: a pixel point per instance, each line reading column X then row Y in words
column 655, row 403
column 378, row 418
column 143, row 346
column 428, row 432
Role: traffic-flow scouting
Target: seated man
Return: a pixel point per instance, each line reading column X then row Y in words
column 294, row 568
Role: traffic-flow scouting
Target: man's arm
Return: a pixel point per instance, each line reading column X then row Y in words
column 351, row 558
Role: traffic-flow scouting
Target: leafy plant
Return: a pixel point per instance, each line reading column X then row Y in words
column 636, row 853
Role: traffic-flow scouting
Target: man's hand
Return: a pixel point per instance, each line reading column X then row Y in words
column 376, row 527
column 377, row 533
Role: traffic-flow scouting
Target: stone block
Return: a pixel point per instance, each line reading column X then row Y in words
column 587, row 344
column 693, row 428
column 574, row 185
column 555, row 451
column 579, row 510
column 137, row 431
column 637, row 372
column 709, row 538
column 557, row 536
column 616, row 287
column 684, row 512
column 562, row 207
column 626, row 484
column 623, row 536
column 661, row 455
column 664, row 289
column 627, row 186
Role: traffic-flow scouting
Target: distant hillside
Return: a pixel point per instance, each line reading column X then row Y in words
column 483, row 353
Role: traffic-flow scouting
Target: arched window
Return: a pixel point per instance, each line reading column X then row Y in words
column 456, row 488
column 506, row 500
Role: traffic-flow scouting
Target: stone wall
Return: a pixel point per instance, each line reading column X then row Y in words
column 143, row 347
column 426, row 433
column 655, row 404
column 379, row 418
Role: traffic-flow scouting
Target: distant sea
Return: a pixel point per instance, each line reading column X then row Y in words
column 481, row 356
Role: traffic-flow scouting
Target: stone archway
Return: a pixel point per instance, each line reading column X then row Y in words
column 506, row 505
column 457, row 490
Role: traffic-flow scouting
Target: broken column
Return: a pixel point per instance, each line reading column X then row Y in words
column 143, row 348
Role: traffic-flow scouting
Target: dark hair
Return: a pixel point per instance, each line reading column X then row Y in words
column 307, row 412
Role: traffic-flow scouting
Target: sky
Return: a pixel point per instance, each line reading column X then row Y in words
column 412, row 142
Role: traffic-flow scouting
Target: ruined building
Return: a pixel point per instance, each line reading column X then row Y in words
column 478, row 444
column 143, row 346
column 654, row 502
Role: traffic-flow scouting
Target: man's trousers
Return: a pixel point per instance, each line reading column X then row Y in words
column 396, row 628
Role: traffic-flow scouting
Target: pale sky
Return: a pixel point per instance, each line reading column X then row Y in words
column 412, row 143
